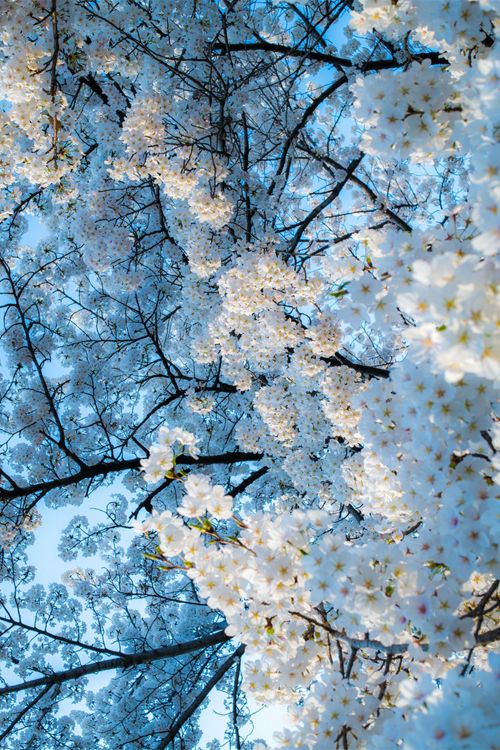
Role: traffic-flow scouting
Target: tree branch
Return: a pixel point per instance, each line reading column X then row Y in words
column 189, row 711
column 121, row 662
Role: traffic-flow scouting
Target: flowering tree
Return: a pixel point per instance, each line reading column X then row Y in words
column 260, row 330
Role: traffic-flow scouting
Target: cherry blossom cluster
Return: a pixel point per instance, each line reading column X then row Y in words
column 220, row 259
column 259, row 289
column 359, row 627
column 146, row 156
column 450, row 295
column 161, row 459
column 278, row 580
column 458, row 26
column 411, row 118
column 36, row 139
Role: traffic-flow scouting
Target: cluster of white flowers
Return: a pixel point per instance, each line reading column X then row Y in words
column 276, row 578
column 201, row 497
column 324, row 336
column 408, row 118
column 275, row 404
column 203, row 246
column 481, row 107
column 378, row 490
column 161, row 459
column 250, row 324
column 216, row 210
column 455, row 303
column 259, row 281
column 175, row 535
column 147, row 155
column 37, row 139
column 254, row 576
column 339, row 385
column 201, row 404
column 396, row 596
column 455, row 714
column 353, row 606
column 458, row 26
